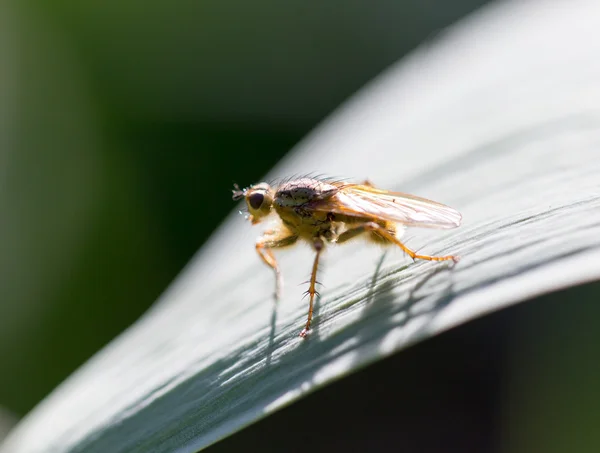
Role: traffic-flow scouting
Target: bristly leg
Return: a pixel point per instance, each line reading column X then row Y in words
column 263, row 248
column 385, row 234
column 312, row 291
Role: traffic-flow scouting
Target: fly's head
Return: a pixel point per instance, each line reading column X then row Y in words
column 259, row 199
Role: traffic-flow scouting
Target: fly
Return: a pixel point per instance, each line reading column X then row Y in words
column 322, row 212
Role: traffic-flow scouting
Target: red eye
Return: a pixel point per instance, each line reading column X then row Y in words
column 256, row 200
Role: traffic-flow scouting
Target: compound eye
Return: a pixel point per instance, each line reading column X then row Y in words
column 256, row 200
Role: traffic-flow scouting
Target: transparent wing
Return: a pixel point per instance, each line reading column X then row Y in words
column 364, row 201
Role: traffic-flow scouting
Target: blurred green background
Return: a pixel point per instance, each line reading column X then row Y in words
column 122, row 128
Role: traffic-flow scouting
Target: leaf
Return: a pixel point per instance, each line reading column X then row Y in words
column 507, row 133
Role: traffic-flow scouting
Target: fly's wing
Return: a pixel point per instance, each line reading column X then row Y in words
column 357, row 200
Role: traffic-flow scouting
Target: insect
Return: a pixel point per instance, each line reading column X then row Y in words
column 322, row 211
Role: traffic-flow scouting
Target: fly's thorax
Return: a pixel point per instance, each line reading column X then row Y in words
column 295, row 201
column 306, row 224
column 299, row 192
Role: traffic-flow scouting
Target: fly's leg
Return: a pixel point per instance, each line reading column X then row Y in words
column 389, row 236
column 318, row 246
column 264, row 245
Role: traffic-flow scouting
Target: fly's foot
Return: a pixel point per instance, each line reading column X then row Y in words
column 305, row 332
